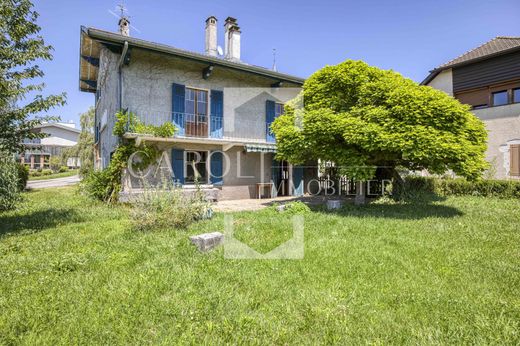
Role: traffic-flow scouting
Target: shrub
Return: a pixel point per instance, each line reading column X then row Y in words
column 34, row 173
column 23, row 176
column 9, row 184
column 168, row 208
column 55, row 163
column 63, row 169
column 97, row 185
column 414, row 186
column 46, row 171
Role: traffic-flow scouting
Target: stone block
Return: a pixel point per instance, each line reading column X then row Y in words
column 207, row 241
column 333, row 204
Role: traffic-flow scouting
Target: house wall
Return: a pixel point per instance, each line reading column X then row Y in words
column 107, row 105
column 503, row 125
column 443, row 81
column 147, row 90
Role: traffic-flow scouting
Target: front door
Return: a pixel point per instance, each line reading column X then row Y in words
column 196, row 108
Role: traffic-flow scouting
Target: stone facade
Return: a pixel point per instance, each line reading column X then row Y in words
column 144, row 87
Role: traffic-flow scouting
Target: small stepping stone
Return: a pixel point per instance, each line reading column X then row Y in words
column 207, row 241
column 333, row 204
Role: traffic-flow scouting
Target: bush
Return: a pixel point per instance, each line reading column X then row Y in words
column 459, row 187
column 23, row 176
column 34, row 173
column 63, row 169
column 97, row 185
column 9, row 184
column 46, row 171
column 168, row 208
column 55, row 163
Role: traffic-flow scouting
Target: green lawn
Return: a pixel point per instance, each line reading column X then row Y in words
column 73, row 272
column 55, row 175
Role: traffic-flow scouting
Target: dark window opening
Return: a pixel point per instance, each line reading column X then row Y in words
column 480, row 106
column 500, row 98
column 196, row 167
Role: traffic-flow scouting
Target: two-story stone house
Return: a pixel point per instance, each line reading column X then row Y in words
column 221, row 106
column 488, row 79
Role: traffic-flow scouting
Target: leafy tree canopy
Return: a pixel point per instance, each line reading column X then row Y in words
column 84, row 150
column 362, row 117
column 20, row 48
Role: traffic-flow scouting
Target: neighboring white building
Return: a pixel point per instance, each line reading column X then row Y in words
column 488, row 79
column 59, row 136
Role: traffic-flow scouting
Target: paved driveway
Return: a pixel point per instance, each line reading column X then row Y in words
column 42, row 184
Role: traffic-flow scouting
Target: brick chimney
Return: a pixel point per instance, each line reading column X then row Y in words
column 211, row 36
column 124, row 26
column 232, row 39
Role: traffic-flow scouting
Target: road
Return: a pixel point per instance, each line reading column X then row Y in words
column 42, row 184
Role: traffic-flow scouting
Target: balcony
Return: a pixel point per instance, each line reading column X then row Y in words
column 225, row 129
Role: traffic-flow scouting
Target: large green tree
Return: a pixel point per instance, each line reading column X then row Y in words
column 21, row 47
column 84, row 150
column 362, row 117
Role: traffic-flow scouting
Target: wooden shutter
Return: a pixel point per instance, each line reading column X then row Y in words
column 178, row 165
column 216, row 168
column 178, row 95
column 217, row 113
column 269, row 118
column 514, row 160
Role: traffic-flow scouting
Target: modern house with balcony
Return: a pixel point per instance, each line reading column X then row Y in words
column 40, row 150
column 222, row 108
column 488, row 79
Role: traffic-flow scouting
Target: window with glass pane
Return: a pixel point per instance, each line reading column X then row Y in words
column 500, row 98
column 516, row 95
column 278, row 109
column 196, row 108
column 196, row 168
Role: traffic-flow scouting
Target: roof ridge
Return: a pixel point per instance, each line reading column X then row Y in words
column 509, row 37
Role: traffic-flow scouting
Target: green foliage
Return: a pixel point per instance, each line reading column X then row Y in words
column 84, row 150
column 361, row 117
column 128, row 122
column 23, row 175
column 9, row 183
column 105, row 185
column 415, row 185
column 167, row 208
column 63, row 169
column 294, row 208
column 46, row 171
column 55, row 163
column 21, row 46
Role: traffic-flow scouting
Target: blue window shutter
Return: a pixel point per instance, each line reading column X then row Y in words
column 178, row 95
column 178, row 165
column 269, row 118
column 216, row 168
column 217, row 113
column 297, row 177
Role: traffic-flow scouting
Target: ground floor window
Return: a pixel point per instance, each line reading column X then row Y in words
column 196, row 168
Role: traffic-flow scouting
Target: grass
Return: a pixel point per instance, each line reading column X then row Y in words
column 69, row 173
column 448, row 272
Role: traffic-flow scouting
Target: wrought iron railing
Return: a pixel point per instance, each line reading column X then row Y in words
column 205, row 126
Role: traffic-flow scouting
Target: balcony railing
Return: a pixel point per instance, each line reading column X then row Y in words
column 204, row 126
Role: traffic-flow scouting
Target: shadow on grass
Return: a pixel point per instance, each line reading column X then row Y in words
column 409, row 211
column 37, row 220
column 413, row 207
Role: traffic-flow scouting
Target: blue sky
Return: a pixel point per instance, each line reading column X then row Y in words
column 410, row 37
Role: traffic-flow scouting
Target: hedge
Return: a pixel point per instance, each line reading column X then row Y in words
column 462, row 187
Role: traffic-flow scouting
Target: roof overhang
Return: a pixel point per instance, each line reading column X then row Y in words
column 436, row 71
column 92, row 39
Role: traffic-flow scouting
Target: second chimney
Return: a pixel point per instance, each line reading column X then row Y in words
column 232, row 39
column 124, row 26
column 211, row 36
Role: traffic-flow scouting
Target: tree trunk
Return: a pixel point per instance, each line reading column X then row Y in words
column 360, row 193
